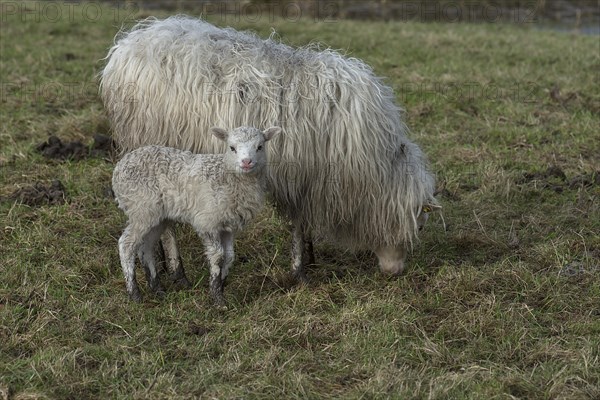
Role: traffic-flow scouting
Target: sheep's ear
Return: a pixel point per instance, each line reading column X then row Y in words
column 219, row 133
column 272, row 131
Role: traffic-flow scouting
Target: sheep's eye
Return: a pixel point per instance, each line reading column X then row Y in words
column 232, row 148
column 259, row 148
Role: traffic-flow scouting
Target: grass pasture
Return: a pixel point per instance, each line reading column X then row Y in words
column 503, row 304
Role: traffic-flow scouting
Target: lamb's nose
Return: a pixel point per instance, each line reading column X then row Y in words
column 246, row 162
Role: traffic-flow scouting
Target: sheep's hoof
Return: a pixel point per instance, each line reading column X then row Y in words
column 135, row 295
column 308, row 253
column 216, row 294
column 300, row 277
column 216, row 291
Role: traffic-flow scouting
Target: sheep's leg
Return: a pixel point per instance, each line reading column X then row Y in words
column 129, row 242
column 297, row 253
column 309, row 252
column 146, row 254
column 173, row 259
column 229, row 255
column 215, row 254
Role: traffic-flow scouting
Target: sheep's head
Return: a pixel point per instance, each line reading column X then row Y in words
column 391, row 259
column 246, row 147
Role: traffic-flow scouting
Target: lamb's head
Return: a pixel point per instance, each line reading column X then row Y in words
column 391, row 258
column 246, row 151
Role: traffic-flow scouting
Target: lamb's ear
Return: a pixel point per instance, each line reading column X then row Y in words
column 272, row 131
column 219, row 133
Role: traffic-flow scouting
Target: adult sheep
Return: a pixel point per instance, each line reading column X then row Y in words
column 345, row 171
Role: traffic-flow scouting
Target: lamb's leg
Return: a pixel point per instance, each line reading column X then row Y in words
column 215, row 255
column 146, row 254
column 229, row 255
column 297, row 253
column 173, row 259
column 129, row 242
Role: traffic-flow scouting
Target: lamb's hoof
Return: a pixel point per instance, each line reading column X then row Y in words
column 310, row 260
column 156, row 287
column 181, row 281
column 219, row 303
column 135, row 295
column 300, row 277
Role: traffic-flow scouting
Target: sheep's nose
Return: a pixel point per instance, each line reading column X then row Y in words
column 246, row 162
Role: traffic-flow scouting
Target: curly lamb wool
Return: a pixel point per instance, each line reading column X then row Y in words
column 346, row 169
column 216, row 193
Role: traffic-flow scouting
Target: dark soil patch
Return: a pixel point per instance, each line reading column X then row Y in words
column 554, row 178
column 585, row 180
column 198, row 330
column 39, row 194
column 95, row 331
column 562, row 98
column 103, row 145
column 574, row 99
column 552, row 172
column 54, row 148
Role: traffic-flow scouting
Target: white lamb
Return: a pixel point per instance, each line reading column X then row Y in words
column 216, row 193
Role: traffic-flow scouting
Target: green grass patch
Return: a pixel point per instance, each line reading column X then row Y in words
column 504, row 303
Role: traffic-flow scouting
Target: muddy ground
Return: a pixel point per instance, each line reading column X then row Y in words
column 54, row 193
column 40, row 194
column 55, row 148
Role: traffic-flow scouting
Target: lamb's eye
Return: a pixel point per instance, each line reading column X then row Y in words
column 232, row 148
column 259, row 148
